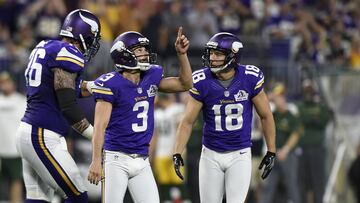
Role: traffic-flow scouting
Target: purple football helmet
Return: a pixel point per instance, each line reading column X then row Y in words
column 84, row 27
column 226, row 43
column 122, row 51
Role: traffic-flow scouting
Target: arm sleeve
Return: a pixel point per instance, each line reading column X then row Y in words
column 70, row 109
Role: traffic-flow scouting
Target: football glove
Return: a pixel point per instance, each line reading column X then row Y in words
column 90, row 85
column 178, row 162
column 268, row 161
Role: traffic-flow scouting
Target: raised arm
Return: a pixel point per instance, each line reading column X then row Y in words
column 102, row 117
column 184, row 81
column 64, row 85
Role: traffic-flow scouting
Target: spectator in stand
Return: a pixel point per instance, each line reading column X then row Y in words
column 46, row 17
column 154, row 23
column 288, row 131
column 354, row 175
column 257, row 150
column 167, row 118
column 315, row 116
column 338, row 51
column 5, row 41
column 203, row 25
column 12, row 107
column 355, row 53
column 278, row 31
column 229, row 13
column 172, row 19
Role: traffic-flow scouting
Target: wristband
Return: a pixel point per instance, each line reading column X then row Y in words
column 90, row 85
column 88, row 132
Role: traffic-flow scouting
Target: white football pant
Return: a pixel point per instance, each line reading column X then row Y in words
column 122, row 171
column 228, row 172
column 47, row 165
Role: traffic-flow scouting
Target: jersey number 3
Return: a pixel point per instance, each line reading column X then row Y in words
column 142, row 115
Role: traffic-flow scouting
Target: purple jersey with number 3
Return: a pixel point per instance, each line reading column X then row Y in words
column 227, row 111
column 131, row 123
column 42, row 107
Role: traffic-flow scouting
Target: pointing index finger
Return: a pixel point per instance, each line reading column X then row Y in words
column 180, row 31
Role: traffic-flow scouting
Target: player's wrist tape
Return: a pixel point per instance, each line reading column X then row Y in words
column 270, row 153
column 90, row 85
column 88, row 132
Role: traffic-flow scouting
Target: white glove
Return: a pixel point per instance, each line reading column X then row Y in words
column 90, row 85
column 88, row 132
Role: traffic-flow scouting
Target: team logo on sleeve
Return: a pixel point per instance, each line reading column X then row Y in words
column 152, row 91
column 242, row 95
column 100, row 83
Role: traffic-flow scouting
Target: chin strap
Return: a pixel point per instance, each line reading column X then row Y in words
column 140, row 66
column 143, row 66
column 224, row 67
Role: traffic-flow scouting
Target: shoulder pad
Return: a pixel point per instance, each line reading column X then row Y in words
column 70, row 57
column 200, row 75
column 104, row 84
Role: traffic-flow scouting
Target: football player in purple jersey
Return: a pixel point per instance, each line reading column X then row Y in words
column 53, row 80
column 226, row 92
column 124, row 116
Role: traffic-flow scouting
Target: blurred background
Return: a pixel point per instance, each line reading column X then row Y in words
column 308, row 50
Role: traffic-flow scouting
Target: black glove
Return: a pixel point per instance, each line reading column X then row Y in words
column 178, row 162
column 268, row 161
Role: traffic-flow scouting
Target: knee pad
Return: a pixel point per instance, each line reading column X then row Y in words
column 82, row 198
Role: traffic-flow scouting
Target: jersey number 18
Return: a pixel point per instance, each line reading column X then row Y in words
column 233, row 116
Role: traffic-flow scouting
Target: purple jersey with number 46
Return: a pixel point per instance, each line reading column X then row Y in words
column 227, row 111
column 131, row 123
column 42, row 107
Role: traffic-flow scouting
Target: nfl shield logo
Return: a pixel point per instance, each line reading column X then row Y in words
column 226, row 93
column 139, row 90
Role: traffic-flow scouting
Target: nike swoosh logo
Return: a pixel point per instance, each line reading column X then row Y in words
column 101, row 84
column 242, row 152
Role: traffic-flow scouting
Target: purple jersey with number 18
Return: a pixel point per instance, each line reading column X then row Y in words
column 228, row 111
